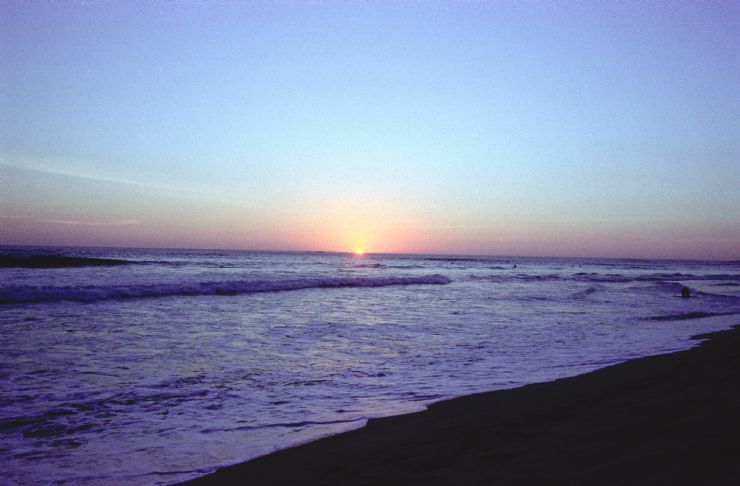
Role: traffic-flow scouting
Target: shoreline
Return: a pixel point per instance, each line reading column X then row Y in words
column 664, row 419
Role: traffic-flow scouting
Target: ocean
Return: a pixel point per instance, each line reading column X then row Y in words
column 155, row 366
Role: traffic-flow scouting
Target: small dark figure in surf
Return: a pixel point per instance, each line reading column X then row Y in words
column 685, row 293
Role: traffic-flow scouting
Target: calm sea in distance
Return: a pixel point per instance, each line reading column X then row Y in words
column 179, row 361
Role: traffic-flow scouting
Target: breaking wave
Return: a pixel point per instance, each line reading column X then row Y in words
column 690, row 315
column 42, row 294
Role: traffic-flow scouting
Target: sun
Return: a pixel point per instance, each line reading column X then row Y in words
column 359, row 252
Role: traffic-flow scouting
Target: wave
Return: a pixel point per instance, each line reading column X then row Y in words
column 521, row 277
column 56, row 261
column 304, row 423
column 607, row 278
column 455, row 259
column 583, row 294
column 594, row 277
column 43, row 294
column 68, row 418
column 690, row 315
column 689, row 276
column 383, row 265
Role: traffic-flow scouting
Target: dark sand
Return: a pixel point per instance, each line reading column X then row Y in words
column 663, row 420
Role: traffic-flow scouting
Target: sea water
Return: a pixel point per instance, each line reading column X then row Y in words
column 179, row 361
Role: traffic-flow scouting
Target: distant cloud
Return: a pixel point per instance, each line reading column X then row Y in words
column 72, row 222
column 114, row 222
column 46, row 166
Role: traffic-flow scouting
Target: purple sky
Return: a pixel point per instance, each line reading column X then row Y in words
column 482, row 127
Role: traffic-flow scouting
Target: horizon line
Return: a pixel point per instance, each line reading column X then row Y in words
column 368, row 253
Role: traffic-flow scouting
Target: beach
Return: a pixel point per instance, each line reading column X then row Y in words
column 665, row 419
column 369, row 242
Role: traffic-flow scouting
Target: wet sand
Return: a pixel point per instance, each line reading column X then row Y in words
column 663, row 420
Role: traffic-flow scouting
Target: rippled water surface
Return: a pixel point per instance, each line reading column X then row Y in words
column 174, row 362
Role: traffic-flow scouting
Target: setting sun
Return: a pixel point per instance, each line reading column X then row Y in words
column 359, row 252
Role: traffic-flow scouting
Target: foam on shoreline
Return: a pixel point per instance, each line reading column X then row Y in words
column 664, row 419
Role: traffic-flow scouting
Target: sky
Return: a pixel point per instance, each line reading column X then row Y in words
column 501, row 128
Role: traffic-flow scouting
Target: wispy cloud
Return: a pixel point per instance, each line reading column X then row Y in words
column 72, row 222
column 193, row 192
column 47, row 168
column 114, row 222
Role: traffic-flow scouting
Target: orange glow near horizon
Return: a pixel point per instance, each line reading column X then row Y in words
column 359, row 252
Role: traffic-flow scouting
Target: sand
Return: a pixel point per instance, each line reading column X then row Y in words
column 668, row 419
